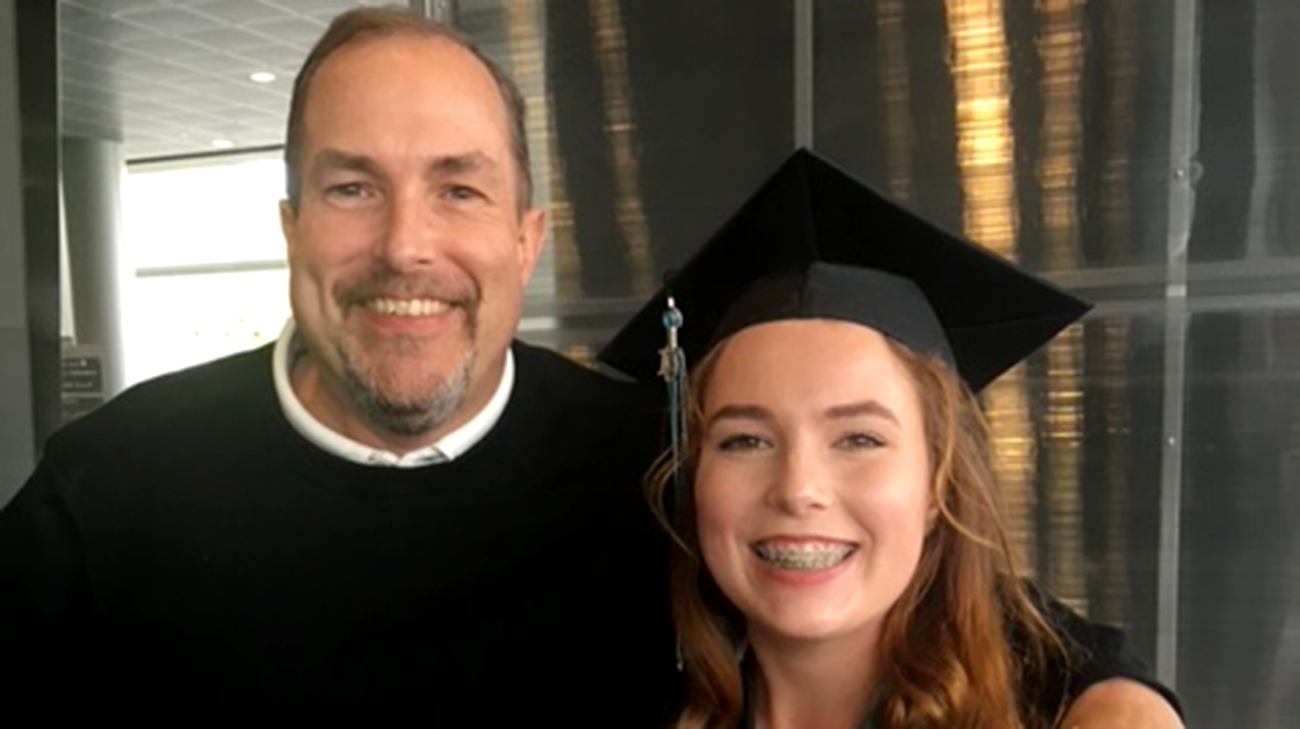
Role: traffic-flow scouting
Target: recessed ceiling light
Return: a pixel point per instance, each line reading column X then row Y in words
column 262, row 77
column 222, row 143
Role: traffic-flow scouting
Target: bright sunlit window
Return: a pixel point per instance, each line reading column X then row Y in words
column 203, row 242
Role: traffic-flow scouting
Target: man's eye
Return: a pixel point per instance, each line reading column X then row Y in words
column 346, row 190
column 741, row 442
column 859, row 441
column 463, row 192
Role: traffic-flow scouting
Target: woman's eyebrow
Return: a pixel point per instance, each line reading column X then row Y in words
column 739, row 412
column 859, row 409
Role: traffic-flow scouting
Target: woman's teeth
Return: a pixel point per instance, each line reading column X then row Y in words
column 803, row 556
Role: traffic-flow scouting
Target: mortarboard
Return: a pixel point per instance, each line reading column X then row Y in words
column 815, row 243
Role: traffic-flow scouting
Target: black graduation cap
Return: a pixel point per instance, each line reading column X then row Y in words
column 814, row 243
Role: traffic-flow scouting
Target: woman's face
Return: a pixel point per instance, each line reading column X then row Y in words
column 812, row 489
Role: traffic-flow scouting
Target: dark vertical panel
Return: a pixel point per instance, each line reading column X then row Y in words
column 1227, row 134
column 576, row 89
column 1239, row 656
column 38, row 93
column 1023, row 38
column 664, row 117
column 1148, row 163
column 1276, row 190
column 1239, row 602
column 849, row 63
column 1109, row 96
column 1122, row 438
column 937, row 190
column 704, row 95
column 713, row 89
column 852, row 62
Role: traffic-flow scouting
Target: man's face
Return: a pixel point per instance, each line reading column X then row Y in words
column 408, row 253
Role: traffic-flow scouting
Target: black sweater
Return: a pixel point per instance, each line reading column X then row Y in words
column 183, row 553
column 184, row 547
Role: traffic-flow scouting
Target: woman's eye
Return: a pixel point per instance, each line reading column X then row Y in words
column 741, row 442
column 859, row 441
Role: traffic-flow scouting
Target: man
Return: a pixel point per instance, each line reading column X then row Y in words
column 396, row 507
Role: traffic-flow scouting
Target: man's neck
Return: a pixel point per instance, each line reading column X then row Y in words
column 828, row 683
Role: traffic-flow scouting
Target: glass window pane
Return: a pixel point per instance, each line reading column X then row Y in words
column 214, row 212
column 180, row 321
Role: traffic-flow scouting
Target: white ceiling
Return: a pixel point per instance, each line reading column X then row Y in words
column 170, row 77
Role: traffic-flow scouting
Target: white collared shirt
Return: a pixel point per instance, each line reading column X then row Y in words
column 287, row 350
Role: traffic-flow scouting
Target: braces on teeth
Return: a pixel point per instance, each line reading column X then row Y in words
column 803, row 558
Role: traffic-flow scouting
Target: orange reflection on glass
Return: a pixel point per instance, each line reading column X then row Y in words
column 985, row 143
column 1060, row 51
column 1015, row 464
column 1062, row 480
column 986, row 166
column 610, row 43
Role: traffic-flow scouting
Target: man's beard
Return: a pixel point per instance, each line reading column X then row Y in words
column 424, row 412
column 414, row 416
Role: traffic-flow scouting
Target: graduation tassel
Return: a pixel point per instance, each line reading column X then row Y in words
column 672, row 367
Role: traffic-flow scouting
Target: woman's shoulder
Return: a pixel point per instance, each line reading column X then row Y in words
column 1095, row 652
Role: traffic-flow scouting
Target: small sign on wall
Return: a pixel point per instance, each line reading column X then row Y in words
column 83, row 380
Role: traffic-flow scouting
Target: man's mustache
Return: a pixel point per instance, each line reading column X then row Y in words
column 388, row 284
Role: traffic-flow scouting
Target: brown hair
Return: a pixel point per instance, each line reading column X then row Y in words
column 946, row 644
column 365, row 22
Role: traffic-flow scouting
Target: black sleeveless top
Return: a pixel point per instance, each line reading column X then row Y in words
column 1097, row 652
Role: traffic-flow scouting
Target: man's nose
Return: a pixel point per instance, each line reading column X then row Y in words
column 415, row 233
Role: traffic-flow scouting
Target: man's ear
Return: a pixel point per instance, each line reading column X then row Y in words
column 288, row 225
column 532, row 236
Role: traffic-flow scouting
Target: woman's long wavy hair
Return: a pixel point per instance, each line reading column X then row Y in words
column 946, row 645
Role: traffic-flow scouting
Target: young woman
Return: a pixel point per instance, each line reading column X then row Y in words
column 839, row 558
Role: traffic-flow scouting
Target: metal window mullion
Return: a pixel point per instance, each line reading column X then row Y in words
column 1183, row 143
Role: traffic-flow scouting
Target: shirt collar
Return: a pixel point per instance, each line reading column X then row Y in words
column 451, row 446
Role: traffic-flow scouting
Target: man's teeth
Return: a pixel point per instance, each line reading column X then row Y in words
column 408, row 307
column 807, row 556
